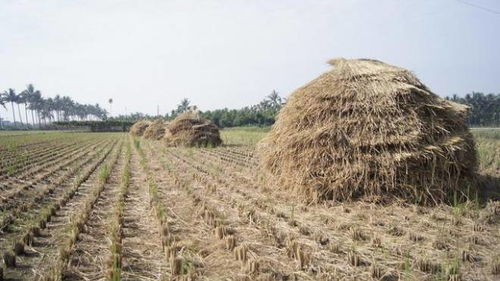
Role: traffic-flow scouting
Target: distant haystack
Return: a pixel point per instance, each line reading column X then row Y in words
column 156, row 130
column 189, row 129
column 139, row 127
column 370, row 130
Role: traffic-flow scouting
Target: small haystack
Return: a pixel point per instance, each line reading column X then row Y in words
column 139, row 127
column 156, row 130
column 370, row 130
column 190, row 129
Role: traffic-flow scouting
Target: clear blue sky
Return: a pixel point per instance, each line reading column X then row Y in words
column 232, row 53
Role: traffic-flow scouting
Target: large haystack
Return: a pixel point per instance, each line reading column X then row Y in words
column 156, row 130
column 189, row 129
column 139, row 127
column 371, row 130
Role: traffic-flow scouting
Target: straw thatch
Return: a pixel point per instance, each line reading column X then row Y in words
column 156, row 130
column 371, row 130
column 139, row 127
column 189, row 129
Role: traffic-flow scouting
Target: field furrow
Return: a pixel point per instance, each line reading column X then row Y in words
column 183, row 231
column 46, row 174
column 28, row 164
column 142, row 255
column 42, row 232
column 317, row 235
column 27, row 203
column 91, row 252
column 99, row 206
column 237, row 244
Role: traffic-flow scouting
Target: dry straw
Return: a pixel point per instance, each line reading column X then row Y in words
column 190, row 129
column 156, row 130
column 139, row 127
column 370, row 130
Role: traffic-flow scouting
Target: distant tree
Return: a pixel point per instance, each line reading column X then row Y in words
column 110, row 101
column 46, row 112
column 62, row 107
column 58, row 106
column 29, row 97
column 24, row 98
column 133, row 117
column 100, row 112
column 183, row 106
column 10, row 96
column 67, row 105
column 2, row 103
column 36, row 105
column 272, row 102
column 484, row 109
column 261, row 114
column 20, row 100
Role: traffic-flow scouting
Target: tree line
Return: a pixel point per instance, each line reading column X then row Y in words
column 484, row 111
column 261, row 114
column 39, row 110
column 484, row 108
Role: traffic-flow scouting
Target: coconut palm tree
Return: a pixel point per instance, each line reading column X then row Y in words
column 58, row 106
column 183, row 106
column 46, row 110
column 29, row 96
column 67, row 104
column 2, row 103
column 36, row 104
column 19, row 101
column 80, row 111
column 10, row 96
column 24, row 98
column 99, row 112
column 85, row 111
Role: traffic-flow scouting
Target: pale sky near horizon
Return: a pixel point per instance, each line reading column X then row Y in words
column 232, row 53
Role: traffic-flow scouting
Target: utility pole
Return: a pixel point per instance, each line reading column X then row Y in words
column 157, row 110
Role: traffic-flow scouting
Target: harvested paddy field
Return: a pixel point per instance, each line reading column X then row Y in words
column 109, row 206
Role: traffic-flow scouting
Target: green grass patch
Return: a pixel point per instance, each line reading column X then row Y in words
column 489, row 133
column 105, row 173
column 243, row 135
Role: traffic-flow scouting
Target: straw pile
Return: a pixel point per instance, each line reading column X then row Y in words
column 189, row 129
column 139, row 127
column 373, row 131
column 156, row 130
